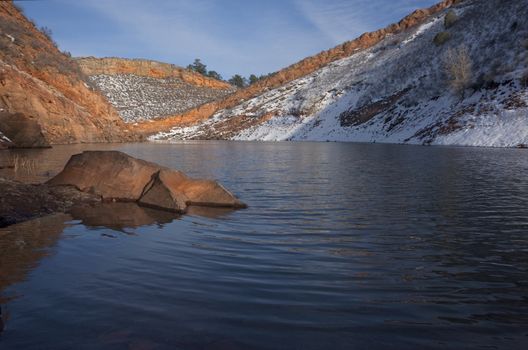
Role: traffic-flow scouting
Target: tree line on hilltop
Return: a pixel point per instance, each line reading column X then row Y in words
column 236, row 80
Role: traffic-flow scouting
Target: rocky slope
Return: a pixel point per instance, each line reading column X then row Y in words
column 457, row 81
column 43, row 87
column 143, row 90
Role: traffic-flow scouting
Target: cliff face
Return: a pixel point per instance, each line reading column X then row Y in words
column 46, row 87
column 295, row 71
column 143, row 90
column 462, row 81
column 145, row 68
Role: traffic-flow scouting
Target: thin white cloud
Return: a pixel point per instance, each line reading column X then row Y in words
column 175, row 29
column 343, row 20
column 178, row 31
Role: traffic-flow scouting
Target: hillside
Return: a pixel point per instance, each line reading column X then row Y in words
column 44, row 97
column 468, row 90
column 143, row 89
column 293, row 72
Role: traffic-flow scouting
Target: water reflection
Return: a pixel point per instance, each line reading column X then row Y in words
column 22, row 246
column 121, row 216
column 209, row 212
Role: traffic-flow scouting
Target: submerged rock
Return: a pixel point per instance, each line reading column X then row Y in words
column 116, row 176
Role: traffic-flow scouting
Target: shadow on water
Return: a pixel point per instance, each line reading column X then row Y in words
column 22, row 246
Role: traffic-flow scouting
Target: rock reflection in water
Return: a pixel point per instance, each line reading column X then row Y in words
column 121, row 216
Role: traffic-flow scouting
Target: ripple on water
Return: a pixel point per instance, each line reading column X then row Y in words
column 342, row 246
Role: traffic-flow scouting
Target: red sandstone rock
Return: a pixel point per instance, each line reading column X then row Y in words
column 116, row 176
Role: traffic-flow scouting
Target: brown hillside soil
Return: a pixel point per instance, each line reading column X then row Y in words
column 112, row 66
column 295, row 71
column 46, row 85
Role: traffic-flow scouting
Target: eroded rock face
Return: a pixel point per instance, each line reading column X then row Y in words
column 117, row 66
column 113, row 175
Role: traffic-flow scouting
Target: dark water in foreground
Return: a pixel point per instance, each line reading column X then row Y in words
column 344, row 246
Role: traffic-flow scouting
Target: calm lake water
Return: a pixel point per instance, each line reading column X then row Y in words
column 343, row 246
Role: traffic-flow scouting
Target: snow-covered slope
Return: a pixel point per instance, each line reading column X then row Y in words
column 401, row 91
column 139, row 98
column 142, row 89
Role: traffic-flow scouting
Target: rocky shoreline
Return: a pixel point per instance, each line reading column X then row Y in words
column 21, row 202
column 106, row 177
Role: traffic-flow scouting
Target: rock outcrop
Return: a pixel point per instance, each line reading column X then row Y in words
column 41, row 83
column 115, row 176
column 146, row 68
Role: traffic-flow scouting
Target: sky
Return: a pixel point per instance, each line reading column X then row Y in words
column 229, row 36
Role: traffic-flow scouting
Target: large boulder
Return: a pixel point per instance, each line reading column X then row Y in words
column 23, row 131
column 110, row 174
column 116, row 176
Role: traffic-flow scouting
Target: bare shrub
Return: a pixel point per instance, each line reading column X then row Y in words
column 450, row 19
column 23, row 165
column 47, row 32
column 18, row 7
column 441, row 38
column 61, row 63
column 524, row 79
column 458, row 68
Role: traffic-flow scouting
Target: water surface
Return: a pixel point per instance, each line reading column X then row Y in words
column 343, row 246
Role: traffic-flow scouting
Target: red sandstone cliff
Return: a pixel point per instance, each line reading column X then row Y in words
column 44, row 88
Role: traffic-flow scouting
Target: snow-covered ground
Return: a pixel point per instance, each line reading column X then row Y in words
column 398, row 91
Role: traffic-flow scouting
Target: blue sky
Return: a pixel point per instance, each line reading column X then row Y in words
column 230, row 36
